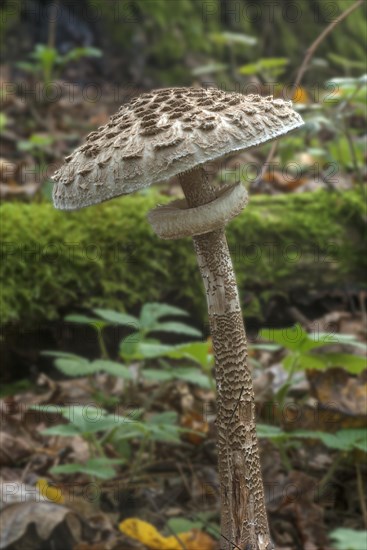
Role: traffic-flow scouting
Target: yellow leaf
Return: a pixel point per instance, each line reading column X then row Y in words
column 144, row 532
column 147, row 534
column 196, row 540
column 51, row 492
column 301, row 96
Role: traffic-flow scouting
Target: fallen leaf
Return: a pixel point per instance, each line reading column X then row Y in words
column 300, row 95
column 7, row 170
column 12, row 449
column 32, row 525
column 151, row 537
column 51, row 492
column 341, row 392
column 14, row 491
column 283, row 181
column 294, row 498
column 14, row 190
column 194, row 421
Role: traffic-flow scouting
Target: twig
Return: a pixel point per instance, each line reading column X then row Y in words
column 309, row 54
column 361, row 494
column 52, row 24
column 330, row 473
column 312, row 49
column 343, row 107
column 353, row 154
column 265, row 166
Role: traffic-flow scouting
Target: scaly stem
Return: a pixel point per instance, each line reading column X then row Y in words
column 244, row 522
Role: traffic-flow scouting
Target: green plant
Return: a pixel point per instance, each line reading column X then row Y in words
column 163, row 51
column 348, row 147
column 98, row 427
column 309, row 351
column 198, row 353
column 116, row 430
column 89, row 427
column 101, row 467
column 3, row 121
column 343, row 101
column 74, row 365
column 140, row 346
column 344, row 442
column 202, row 521
column 349, row 539
column 39, row 146
column 36, row 145
column 46, row 62
column 268, row 69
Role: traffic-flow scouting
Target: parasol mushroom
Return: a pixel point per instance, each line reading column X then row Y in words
column 175, row 132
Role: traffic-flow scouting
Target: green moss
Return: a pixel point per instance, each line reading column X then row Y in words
column 53, row 262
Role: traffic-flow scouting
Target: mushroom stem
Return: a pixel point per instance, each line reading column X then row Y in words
column 243, row 513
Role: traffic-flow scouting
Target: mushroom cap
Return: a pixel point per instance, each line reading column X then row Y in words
column 163, row 133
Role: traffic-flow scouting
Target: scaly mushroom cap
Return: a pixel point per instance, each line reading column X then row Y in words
column 164, row 133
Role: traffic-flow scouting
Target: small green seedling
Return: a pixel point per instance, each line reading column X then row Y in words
column 36, row 145
column 141, row 347
column 88, row 422
column 268, row 69
column 310, row 351
column 344, row 442
column 138, row 344
column 102, row 468
column 98, row 427
column 46, row 63
column 3, row 121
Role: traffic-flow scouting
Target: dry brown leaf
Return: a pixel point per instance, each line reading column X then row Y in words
column 194, row 421
column 24, row 523
column 12, row 449
column 283, row 181
column 294, row 499
column 14, row 190
column 340, row 392
column 7, row 170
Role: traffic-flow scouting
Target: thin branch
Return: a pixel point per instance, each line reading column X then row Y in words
column 309, row 54
column 361, row 494
column 312, row 49
column 266, row 164
column 52, row 24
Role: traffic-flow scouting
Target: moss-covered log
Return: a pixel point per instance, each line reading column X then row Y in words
column 53, row 262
